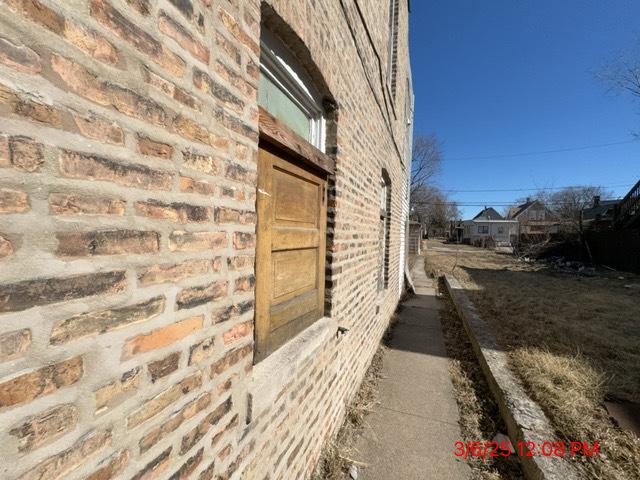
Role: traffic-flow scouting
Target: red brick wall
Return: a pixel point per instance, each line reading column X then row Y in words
column 128, row 143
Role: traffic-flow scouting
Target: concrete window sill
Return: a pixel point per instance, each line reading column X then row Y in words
column 274, row 372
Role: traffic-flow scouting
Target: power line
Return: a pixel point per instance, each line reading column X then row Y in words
column 537, row 189
column 542, row 152
column 497, row 204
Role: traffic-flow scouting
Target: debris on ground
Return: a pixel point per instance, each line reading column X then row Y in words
column 561, row 264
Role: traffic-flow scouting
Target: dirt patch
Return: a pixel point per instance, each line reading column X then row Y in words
column 479, row 416
column 574, row 341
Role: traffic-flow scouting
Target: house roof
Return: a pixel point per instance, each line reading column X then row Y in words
column 515, row 211
column 488, row 214
column 605, row 207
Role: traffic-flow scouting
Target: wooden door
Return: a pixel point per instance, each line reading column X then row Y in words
column 290, row 250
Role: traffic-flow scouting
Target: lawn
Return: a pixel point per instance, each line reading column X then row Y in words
column 573, row 340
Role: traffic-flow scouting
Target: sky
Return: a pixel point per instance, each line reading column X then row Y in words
column 501, row 77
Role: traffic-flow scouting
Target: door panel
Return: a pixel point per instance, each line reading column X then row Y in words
column 290, row 250
column 294, row 273
column 295, row 199
column 289, row 238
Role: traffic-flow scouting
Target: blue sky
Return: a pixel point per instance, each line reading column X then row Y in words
column 499, row 77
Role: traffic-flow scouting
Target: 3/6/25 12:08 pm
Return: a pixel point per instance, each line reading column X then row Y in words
column 486, row 449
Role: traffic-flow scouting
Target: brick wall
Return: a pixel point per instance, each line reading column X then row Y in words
column 128, row 146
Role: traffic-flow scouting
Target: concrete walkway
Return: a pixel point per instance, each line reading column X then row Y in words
column 412, row 431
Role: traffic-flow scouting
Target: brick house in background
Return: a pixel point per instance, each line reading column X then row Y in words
column 195, row 195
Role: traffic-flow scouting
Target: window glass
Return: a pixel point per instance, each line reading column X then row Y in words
column 280, row 105
column 286, row 91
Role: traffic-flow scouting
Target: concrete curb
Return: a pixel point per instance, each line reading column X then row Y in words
column 525, row 420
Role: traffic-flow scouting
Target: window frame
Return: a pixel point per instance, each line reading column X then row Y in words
column 281, row 68
column 392, row 47
column 483, row 229
column 385, row 231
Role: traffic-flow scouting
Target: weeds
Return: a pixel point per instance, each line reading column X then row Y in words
column 479, row 416
column 573, row 341
column 336, row 458
column 571, row 392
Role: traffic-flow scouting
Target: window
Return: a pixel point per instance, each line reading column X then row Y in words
column 483, row 229
column 286, row 92
column 392, row 54
column 500, row 230
column 291, row 201
column 384, row 231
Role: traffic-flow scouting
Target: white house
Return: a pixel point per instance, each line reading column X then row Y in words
column 489, row 226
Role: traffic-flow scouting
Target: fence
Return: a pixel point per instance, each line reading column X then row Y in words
column 619, row 249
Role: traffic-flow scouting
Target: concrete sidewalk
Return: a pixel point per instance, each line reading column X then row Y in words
column 412, row 431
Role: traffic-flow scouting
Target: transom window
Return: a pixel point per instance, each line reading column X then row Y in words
column 286, row 92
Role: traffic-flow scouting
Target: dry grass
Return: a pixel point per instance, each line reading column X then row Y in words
column 479, row 416
column 337, row 455
column 572, row 392
column 574, row 341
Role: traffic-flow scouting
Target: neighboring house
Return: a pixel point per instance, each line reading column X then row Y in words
column 197, row 200
column 601, row 213
column 534, row 218
column 489, row 226
column 627, row 212
column 612, row 231
column 618, row 214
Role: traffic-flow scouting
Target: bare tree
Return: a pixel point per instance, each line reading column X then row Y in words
column 623, row 74
column 429, row 205
column 433, row 208
column 566, row 204
column 426, row 162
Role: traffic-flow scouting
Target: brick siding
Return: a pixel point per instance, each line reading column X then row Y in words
column 128, row 152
